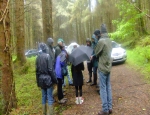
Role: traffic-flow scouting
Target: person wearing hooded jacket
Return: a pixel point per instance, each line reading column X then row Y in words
column 45, row 78
column 50, row 51
column 59, row 64
column 89, row 63
column 103, row 52
column 95, row 38
column 59, row 47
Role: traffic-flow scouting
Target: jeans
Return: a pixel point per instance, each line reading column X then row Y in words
column 47, row 94
column 69, row 79
column 105, row 91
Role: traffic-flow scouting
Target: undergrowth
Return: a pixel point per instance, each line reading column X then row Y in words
column 137, row 59
column 27, row 92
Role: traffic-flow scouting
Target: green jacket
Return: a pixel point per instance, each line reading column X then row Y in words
column 103, row 52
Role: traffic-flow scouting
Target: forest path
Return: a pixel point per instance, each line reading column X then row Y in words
column 131, row 94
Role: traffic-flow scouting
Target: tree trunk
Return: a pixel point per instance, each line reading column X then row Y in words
column 19, row 12
column 7, row 83
column 47, row 19
column 141, row 20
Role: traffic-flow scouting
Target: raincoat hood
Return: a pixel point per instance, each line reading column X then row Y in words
column 43, row 47
column 50, row 41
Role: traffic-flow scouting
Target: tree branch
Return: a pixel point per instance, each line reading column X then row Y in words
column 139, row 9
column 3, row 15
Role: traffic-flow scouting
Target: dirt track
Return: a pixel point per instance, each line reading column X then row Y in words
column 131, row 94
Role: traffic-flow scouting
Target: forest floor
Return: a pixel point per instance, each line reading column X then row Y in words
column 131, row 94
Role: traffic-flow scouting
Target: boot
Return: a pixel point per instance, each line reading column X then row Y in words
column 81, row 100
column 77, row 100
column 90, row 76
column 44, row 109
column 50, row 110
column 94, row 79
column 103, row 113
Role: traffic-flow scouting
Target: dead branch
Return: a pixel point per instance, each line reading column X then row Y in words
column 138, row 9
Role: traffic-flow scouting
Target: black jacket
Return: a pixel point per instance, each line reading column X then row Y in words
column 77, row 74
column 45, row 74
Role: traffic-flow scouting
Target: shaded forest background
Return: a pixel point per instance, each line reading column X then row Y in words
column 25, row 23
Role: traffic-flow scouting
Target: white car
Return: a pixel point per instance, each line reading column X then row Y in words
column 70, row 47
column 118, row 54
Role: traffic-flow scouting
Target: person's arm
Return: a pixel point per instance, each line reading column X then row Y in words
column 37, row 74
column 51, row 70
column 99, row 47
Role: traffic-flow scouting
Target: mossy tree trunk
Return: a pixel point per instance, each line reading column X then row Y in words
column 19, row 14
column 6, row 75
column 47, row 19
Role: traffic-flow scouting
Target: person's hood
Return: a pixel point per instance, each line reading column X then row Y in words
column 103, row 29
column 50, row 41
column 43, row 47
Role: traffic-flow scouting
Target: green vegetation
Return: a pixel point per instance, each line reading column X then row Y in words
column 138, row 59
column 27, row 91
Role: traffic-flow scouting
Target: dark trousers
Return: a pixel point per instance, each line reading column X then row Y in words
column 78, row 88
column 89, row 66
column 59, row 89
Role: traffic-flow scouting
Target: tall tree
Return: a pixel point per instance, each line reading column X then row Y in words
column 7, row 82
column 47, row 19
column 19, row 14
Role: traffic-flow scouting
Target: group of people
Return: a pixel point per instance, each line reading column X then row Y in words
column 51, row 67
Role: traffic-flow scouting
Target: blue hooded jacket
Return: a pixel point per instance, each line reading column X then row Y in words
column 59, row 64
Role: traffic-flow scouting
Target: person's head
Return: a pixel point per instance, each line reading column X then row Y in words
column 97, row 34
column 43, row 47
column 103, row 29
column 50, row 41
column 88, row 42
column 60, row 42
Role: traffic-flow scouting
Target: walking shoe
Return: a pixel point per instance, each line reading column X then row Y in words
column 77, row 101
column 62, row 101
column 103, row 113
column 65, row 99
column 110, row 111
column 89, row 81
column 81, row 100
column 71, row 84
column 93, row 84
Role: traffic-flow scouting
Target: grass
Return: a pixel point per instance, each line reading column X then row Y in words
column 137, row 60
column 27, row 92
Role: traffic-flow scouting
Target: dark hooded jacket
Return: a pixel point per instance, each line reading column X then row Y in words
column 50, row 49
column 45, row 75
column 94, row 43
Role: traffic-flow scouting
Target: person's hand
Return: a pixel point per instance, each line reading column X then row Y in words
column 91, row 57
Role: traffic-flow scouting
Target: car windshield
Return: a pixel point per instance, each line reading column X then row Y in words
column 115, row 45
